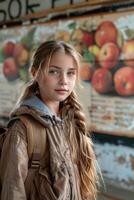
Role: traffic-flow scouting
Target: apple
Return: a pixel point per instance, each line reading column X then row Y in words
column 8, row 48
column 108, row 55
column 106, row 32
column 77, row 34
column 128, row 53
column 124, row 81
column 83, row 36
column 86, row 71
column 87, row 38
column 102, row 81
column 10, row 70
column 78, row 46
column 62, row 35
column 94, row 49
column 20, row 54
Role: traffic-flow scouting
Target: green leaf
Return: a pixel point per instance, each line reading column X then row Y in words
column 129, row 33
column 72, row 26
column 27, row 40
column 2, row 57
column 89, row 57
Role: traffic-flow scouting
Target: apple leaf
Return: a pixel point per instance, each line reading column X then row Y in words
column 88, row 56
column 72, row 26
column 2, row 57
column 27, row 40
column 129, row 33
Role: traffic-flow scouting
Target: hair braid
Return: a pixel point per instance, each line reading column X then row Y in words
column 75, row 109
column 86, row 157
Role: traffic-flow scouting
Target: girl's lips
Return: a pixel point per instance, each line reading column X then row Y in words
column 61, row 91
column 65, row 90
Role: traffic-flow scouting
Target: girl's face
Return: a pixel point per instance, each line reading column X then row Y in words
column 59, row 82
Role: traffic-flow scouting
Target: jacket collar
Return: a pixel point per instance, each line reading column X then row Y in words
column 35, row 107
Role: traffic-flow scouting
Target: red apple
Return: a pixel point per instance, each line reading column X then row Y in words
column 10, row 70
column 20, row 54
column 108, row 55
column 106, row 32
column 128, row 53
column 124, row 81
column 86, row 71
column 87, row 38
column 102, row 80
column 8, row 48
column 83, row 36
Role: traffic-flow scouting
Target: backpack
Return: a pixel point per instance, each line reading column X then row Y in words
column 36, row 138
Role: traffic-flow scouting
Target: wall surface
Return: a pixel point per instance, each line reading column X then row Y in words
column 10, row 9
column 117, row 164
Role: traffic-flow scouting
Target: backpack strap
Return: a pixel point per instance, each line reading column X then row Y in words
column 36, row 137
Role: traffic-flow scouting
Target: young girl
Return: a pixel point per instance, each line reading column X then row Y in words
column 67, row 169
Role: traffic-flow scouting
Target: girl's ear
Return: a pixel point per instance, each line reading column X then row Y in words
column 35, row 74
column 33, row 71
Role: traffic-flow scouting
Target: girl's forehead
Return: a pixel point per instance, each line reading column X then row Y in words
column 59, row 53
column 61, row 57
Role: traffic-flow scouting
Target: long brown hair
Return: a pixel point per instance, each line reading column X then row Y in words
column 85, row 153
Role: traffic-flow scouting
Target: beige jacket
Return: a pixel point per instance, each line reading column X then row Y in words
column 57, row 177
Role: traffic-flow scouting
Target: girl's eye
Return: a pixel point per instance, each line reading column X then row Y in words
column 52, row 71
column 71, row 73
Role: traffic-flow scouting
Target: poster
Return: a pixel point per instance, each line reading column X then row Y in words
column 106, row 43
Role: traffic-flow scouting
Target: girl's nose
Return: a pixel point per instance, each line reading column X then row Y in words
column 63, row 78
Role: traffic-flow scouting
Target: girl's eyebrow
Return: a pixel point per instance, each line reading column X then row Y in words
column 54, row 66
column 57, row 67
